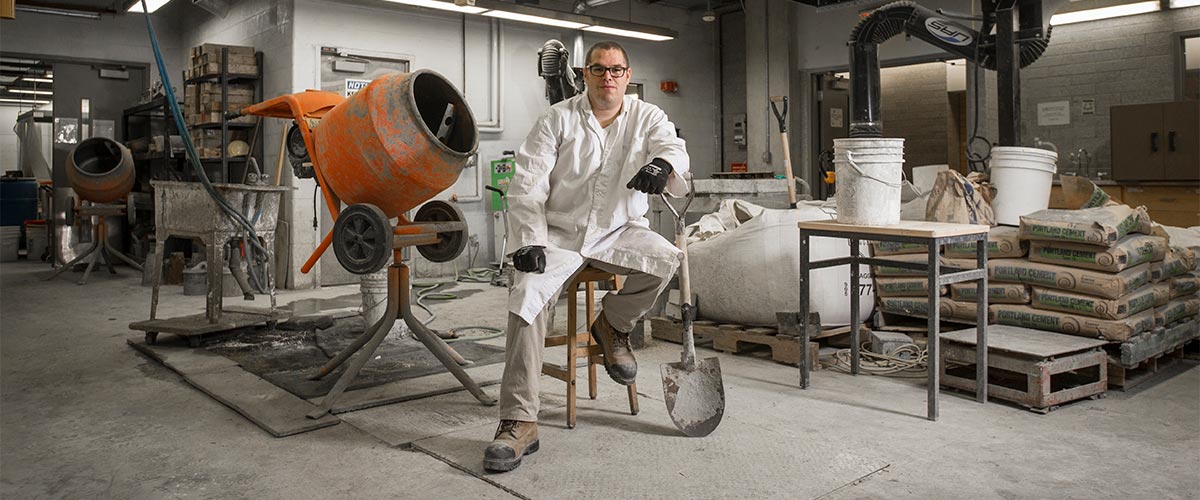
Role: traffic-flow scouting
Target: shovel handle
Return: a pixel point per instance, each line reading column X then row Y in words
column 685, row 285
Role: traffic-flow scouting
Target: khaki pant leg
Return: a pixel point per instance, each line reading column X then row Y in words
column 637, row 295
column 523, row 348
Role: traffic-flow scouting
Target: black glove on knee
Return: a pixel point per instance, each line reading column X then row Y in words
column 530, row 259
column 652, row 178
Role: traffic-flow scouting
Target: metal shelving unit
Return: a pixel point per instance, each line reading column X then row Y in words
column 225, row 78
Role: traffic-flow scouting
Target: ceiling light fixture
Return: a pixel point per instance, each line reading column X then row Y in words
column 628, row 33
column 1179, row 4
column 1128, row 9
column 152, row 5
column 53, row 11
column 709, row 16
column 30, row 91
column 434, row 4
column 37, row 80
column 527, row 18
column 24, row 101
column 547, row 17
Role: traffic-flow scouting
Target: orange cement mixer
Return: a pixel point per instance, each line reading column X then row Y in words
column 385, row 150
column 391, row 146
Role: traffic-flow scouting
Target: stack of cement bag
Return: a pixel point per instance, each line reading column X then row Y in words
column 904, row 292
column 1096, row 272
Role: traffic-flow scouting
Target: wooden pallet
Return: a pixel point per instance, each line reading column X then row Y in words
column 737, row 339
column 1120, row 377
column 1136, row 361
column 1035, row 369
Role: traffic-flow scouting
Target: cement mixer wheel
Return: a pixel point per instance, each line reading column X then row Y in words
column 362, row 238
column 450, row 244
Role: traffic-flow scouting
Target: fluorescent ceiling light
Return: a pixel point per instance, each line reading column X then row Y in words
column 434, row 4
column 28, row 91
column 24, row 101
column 526, row 18
column 1179, row 4
column 38, row 80
column 153, row 5
column 628, row 33
column 1128, row 9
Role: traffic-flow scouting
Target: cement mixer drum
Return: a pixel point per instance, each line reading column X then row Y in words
column 100, row 170
column 396, row 143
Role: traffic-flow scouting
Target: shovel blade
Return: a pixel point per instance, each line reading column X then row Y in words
column 695, row 396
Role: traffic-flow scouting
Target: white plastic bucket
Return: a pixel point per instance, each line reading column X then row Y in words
column 36, row 241
column 1022, row 177
column 10, row 243
column 869, row 176
column 374, row 290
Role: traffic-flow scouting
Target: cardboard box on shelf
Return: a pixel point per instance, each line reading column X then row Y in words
column 214, row 48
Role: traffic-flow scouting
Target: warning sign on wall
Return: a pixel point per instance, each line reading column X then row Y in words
column 354, row 85
column 1054, row 113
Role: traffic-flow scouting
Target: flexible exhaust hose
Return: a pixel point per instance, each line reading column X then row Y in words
column 908, row 17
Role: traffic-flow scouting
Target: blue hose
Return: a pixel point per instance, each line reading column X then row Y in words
column 186, row 137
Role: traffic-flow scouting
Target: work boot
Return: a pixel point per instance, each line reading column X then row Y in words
column 514, row 439
column 618, row 355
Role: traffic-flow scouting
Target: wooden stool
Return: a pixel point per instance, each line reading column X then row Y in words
column 587, row 346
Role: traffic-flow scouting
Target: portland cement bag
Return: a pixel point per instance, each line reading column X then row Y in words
column 746, row 273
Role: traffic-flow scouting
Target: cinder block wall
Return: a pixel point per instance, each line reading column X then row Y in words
column 1118, row 61
column 915, row 107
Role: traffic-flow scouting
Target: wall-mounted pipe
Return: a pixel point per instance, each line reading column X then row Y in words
column 494, row 124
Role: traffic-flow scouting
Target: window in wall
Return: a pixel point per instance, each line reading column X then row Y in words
column 1191, row 67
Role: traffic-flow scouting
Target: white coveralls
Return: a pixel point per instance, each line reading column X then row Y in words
column 569, row 195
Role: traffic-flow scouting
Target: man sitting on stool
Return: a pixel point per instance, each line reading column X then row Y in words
column 579, row 198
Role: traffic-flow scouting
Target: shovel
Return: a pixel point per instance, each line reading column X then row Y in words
column 693, row 389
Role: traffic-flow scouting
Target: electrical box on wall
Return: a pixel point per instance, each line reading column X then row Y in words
column 739, row 130
column 501, row 175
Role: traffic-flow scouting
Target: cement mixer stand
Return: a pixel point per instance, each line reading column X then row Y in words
column 100, row 249
column 360, row 239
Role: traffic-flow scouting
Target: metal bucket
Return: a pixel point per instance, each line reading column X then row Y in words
column 101, row 170
column 381, row 146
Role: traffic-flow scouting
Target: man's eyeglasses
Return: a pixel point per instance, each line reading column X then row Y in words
column 598, row 70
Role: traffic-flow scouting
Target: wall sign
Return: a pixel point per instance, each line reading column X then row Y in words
column 835, row 118
column 1087, row 106
column 353, row 85
column 1054, row 113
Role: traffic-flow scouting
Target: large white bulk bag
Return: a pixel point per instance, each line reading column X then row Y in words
column 745, row 266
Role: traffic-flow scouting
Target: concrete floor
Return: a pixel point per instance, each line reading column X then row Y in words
column 83, row 415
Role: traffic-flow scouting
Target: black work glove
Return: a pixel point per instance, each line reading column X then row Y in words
column 530, row 259
column 652, row 178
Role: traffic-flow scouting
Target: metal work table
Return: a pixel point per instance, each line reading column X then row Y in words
column 931, row 234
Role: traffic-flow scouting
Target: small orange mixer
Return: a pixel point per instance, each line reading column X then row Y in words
column 387, row 149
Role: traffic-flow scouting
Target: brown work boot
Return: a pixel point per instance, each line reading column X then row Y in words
column 618, row 355
column 514, row 439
